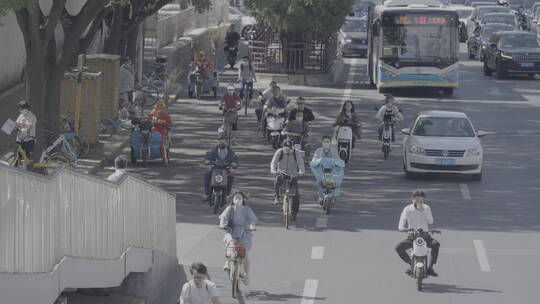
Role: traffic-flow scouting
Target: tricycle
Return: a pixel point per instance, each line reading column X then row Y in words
column 148, row 144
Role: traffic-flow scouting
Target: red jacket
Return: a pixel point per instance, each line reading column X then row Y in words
column 161, row 121
column 230, row 102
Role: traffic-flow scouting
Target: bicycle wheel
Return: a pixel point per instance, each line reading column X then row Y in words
column 327, row 204
column 235, row 278
column 14, row 160
column 75, row 145
column 107, row 128
column 286, row 213
column 84, row 144
column 55, row 163
column 246, row 102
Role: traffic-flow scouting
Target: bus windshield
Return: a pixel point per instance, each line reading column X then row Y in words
column 425, row 39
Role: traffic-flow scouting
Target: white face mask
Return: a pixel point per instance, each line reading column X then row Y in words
column 23, row 111
column 238, row 202
column 326, row 146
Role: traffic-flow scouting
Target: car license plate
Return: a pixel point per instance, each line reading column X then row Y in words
column 445, row 161
column 527, row 65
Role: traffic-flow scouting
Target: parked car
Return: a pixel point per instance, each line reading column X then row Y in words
column 464, row 13
column 246, row 22
column 506, row 18
column 442, row 142
column 353, row 37
column 513, row 52
column 481, row 37
column 479, row 12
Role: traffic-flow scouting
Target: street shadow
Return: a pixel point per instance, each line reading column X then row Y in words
column 274, row 297
column 457, row 289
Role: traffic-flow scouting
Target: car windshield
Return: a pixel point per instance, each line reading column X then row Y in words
column 506, row 19
column 482, row 11
column 443, row 127
column 489, row 31
column 463, row 14
column 518, row 41
column 355, row 26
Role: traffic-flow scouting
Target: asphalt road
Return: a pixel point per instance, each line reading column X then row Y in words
column 490, row 243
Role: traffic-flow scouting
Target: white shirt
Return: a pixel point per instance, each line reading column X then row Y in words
column 193, row 295
column 391, row 108
column 27, row 126
column 415, row 219
column 117, row 175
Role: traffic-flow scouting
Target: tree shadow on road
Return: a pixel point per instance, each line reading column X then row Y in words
column 458, row 289
column 273, row 297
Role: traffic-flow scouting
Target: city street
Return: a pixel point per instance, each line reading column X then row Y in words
column 490, row 245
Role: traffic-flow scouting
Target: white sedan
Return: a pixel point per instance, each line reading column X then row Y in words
column 442, row 142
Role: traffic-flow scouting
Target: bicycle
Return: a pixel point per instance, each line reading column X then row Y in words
column 247, row 91
column 78, row 143
column 235, row 253
column 230, row 118
column 288, row 192
column 47, row 163
column 62, row 144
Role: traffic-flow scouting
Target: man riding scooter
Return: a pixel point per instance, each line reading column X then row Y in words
column 277, row 100
column 389, row 111
column 231, row 44
column 220, row 153
column 326, row 158
column 265, row 96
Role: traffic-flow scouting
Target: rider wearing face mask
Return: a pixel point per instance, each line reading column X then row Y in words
column 26, row 126
column 388, row 111
column 290, row 162
column 240, row 218
column 224, row 154
column 327, row 156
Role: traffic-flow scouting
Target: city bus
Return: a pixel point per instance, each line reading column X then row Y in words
column 412, row 44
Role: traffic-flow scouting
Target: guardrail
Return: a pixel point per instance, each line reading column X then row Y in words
column 71, row 214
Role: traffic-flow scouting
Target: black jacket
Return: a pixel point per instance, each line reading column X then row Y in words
column 308, row 114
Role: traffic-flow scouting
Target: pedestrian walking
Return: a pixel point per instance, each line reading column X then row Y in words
column 199, row 290
column 26, row 126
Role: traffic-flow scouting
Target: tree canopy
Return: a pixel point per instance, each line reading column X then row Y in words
column 318, row 17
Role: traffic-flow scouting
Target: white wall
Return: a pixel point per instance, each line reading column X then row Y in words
column 12, row 53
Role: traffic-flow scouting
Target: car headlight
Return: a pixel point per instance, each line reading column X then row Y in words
column 506, row 55
column 417, row 150
column 348, row 40
column 473, row 152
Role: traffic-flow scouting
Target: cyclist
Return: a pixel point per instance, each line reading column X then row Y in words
column 246, row 76
column 241, row 219
column 291, row 162
column 26, row 126
column 389, row 111
column 231, row 102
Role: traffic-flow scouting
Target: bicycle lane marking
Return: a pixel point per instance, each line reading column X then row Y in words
column 317, row 253
column 482, row 256
column 310, row 291
column 465, row 191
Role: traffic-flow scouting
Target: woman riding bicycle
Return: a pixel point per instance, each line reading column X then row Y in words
column 239, row 220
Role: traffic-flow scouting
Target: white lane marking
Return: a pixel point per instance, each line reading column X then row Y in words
column 465, row 191
column 350, row 80
column 322, row 222
column 310, row 291
column 317, row 253
column 482, row 256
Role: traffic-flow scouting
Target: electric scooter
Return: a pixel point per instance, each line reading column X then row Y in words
column 420, row 255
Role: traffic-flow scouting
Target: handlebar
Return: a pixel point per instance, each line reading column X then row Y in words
column 421, row 231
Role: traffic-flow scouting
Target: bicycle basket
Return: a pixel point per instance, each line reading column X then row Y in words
column 328, row 181
column 235, row 250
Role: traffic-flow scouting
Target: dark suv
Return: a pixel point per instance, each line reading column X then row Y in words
column 481, row 37
column 512, row 52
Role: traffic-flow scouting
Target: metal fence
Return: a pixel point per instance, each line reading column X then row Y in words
column 272, row 54
column 43, row 219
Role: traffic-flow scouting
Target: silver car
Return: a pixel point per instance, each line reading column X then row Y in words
column 353, row 37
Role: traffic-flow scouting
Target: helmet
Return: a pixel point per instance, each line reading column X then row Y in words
column 388, row 98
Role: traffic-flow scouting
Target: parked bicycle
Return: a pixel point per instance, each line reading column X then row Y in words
column 48, row 163
column 80, row 144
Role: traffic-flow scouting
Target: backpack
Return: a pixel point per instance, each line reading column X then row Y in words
column 281, row 155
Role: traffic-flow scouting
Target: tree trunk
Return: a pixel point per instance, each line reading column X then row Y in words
column 131, row 44
column 113, row 41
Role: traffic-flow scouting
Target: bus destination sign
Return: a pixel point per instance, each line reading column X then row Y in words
column 420, row 19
